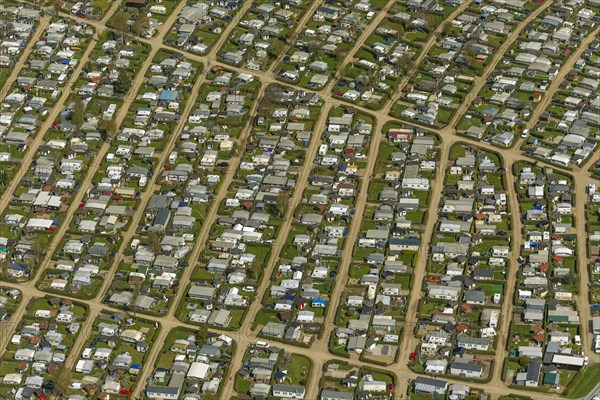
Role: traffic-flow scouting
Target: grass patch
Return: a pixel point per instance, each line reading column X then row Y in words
column 583, row 382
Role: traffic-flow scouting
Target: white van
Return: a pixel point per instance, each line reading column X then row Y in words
column 262, row 344
column 142, row 182
column 577, row 340
column 173, row 156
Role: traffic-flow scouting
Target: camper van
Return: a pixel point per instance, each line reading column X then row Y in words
column 158, row 10
column 76, row 8
column 323, row 149
column 87, row 353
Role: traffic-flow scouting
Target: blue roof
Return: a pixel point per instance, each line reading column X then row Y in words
column 169, row 95
column 18, row 267
column 280, row 375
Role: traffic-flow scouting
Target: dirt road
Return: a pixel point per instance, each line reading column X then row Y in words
column 409, row 341
column 503, row 333
column 583, row 262
column 322, row 345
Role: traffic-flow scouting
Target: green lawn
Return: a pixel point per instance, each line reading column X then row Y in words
column 298, row 370
column 242, row 386
column 583, row 382
column 456, row 152
column 265, row 316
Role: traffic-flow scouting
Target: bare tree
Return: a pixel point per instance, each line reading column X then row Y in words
column 61, row 377
column 446, row 28
column 4, row 269
column 110, row 127
column 100, row 6
column 283, row 202
column 255, row 268
column 404, row 63
column 267, row 101
column 123, row 83
column 401, row 32
column 136, row 285
column 201, row 332
column 38, row 246
column 431, row 20
column 154, row 243
column 141, row 24
column 469, row 55
column 78, row 113
column 56, row 4
column 3, row 178
column 31, row 265
column 121, row 22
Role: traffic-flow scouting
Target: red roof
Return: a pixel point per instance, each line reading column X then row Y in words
column 538, row 338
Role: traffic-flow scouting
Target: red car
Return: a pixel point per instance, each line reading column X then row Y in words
column 412, row 356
